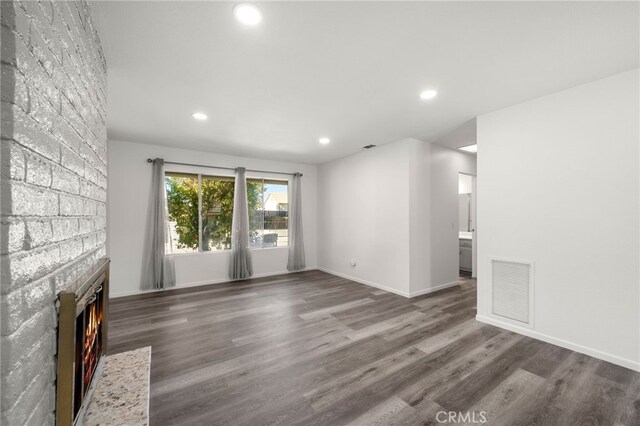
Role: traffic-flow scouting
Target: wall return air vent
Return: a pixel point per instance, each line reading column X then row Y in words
column 512, row 285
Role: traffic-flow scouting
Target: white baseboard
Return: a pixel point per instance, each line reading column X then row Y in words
column 311, row 268
column 614, row 359
column 202, row 283
column 434, row 289
column 365, row 282
column 389, row 289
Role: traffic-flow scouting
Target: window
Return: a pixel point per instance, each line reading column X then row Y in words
column 201, row 211
column 216, row 212
column 268, row 213
column 182, row 203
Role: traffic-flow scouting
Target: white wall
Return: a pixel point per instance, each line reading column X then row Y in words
column 128, row 195
column 558, row 184
column 434, row 229
column 420, row 213
column 363, row 215
column 394, row 210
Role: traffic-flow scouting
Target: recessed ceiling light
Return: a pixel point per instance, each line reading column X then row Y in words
column 429, row 94
column 199, row 116
column 247, row 13
column 470, row 148
column 324, row 141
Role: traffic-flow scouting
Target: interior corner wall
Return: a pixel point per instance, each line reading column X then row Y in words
column 559, row 185
column 434, row 215
column 394, row 211
column 420, row 217
column 128, row 198
column 363, row 216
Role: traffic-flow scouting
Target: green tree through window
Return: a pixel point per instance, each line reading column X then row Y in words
column 216, row 210
column 182, row 203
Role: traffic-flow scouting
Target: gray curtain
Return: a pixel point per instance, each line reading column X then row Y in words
column 157, row 268
column 296, row 245
column 240, row 265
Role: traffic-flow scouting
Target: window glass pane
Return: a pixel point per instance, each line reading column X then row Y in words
column 182, row 203
column 255, row 190
column 217, row 212
column 268, row 212
column 276, row 216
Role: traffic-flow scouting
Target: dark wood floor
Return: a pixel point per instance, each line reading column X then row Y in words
column 315, row 349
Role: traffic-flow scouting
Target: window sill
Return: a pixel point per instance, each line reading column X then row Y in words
column 269, row 248
column 216, row 252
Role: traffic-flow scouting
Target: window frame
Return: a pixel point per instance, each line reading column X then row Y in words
column 200, row 173
column 272, row 181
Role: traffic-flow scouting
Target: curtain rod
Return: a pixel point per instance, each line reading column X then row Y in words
column 150, row 160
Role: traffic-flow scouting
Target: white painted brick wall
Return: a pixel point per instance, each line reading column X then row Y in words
column 52, row 188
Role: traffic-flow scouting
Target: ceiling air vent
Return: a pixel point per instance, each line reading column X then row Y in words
column 368, row 146
column 512, row 290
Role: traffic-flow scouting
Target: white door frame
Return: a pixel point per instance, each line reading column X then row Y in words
column 474, row 226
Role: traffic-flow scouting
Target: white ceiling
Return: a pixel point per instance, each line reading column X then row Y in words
column 351, row 71
column 463, row 135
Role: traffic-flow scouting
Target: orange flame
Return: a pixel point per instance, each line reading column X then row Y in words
column 91, row 340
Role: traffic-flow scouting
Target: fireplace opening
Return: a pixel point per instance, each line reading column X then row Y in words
column 89, row 330
column 82, row 341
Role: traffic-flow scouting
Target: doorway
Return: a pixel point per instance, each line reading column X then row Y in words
column 466, row 225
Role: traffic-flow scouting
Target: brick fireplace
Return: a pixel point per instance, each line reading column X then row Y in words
column 53, row 180
column 82, row 342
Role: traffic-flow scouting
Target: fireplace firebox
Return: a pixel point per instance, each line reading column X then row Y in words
column 82, row 341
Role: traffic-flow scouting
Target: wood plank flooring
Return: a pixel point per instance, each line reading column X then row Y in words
column 315, row 349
